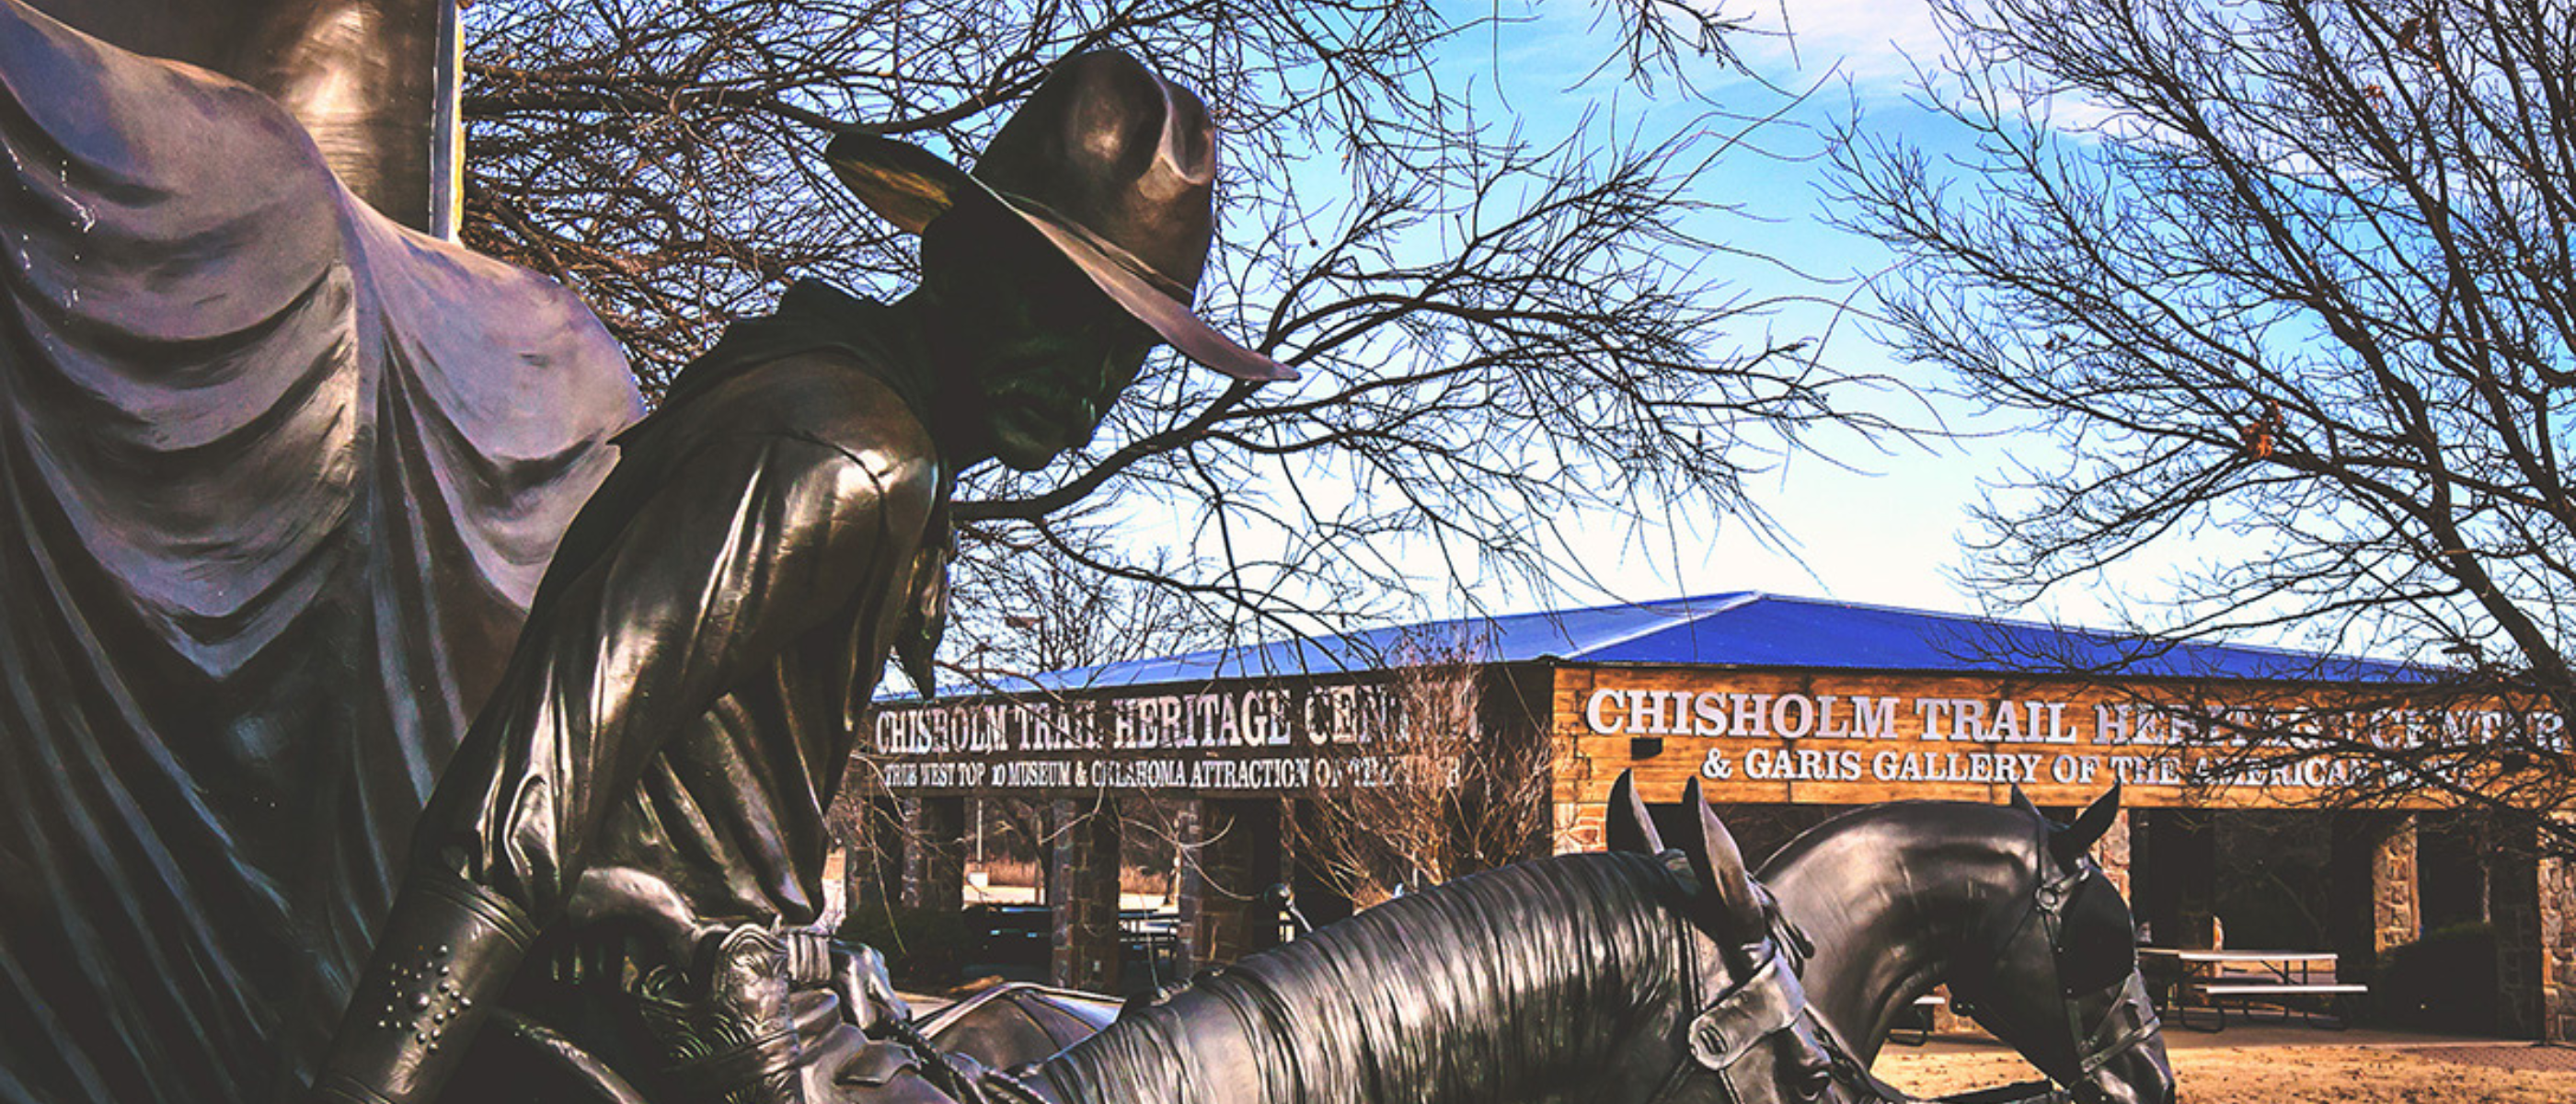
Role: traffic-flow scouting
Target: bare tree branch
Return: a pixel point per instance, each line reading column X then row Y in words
column 1498, row 335
column 2300, row 284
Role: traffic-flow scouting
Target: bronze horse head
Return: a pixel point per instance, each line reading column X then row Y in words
column 2005, row 907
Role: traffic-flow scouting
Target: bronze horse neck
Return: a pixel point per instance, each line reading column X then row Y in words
column 1532, row 982
column 1918, row 883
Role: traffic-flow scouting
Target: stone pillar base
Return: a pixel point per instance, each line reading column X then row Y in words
column 872, row 875
column 2375, row 908
column 2113, row 855
column 1082, row 892
column 1232, row 861
column 2532, row 903
column 934, row 875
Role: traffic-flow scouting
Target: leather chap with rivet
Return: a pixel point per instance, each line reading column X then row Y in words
column 447, row 950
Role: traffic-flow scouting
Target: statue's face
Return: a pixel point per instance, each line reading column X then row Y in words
column 1045, row 350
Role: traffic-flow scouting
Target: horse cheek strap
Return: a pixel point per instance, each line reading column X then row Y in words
column 1768, row 1002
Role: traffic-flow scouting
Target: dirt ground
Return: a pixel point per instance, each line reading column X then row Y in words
column 2259, row 1065
column 2383, row 1074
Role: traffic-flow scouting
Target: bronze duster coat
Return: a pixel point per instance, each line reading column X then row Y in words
column 685, row 695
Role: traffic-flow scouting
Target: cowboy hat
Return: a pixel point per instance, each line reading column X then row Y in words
column 1111, row 164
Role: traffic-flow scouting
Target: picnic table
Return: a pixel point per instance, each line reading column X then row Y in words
column 1918, row 1019
column 2216, row 979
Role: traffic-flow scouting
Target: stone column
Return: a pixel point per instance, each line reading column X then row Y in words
column 872, row 874
column 1082, row 892
column 2113, row 854
column 2532, row 903
column 2374, row 907
column 934, row 875
column 1232, row 860
column 2558, row 949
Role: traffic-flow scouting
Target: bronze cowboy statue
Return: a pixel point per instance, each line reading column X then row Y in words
column 619, row 871
column 643, row 794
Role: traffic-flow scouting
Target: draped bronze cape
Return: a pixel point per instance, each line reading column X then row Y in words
column 278, row 478
column 362, row 76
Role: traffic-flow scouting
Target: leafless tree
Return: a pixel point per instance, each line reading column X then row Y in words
column 1496, row 333
column 1431, row 791
column 1029, row 602
column 2289, row 277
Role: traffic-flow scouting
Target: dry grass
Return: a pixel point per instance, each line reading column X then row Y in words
column 1131, row 879
column 1011, row 872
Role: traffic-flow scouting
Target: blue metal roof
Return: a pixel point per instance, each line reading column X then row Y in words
column 1739, row 629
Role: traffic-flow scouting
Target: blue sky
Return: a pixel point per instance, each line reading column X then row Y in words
column 1879, row 526
column 1860, row 523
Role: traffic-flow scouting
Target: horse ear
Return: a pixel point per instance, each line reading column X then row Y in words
column 1733, row 908
column 1630, row 829
column 2021, row 801
column 2088, row 829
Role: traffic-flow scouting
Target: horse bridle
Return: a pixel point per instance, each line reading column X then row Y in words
column 1764, row 1004
column 2093, row 1048
column 1768, row 1000
column 1848, row 1069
